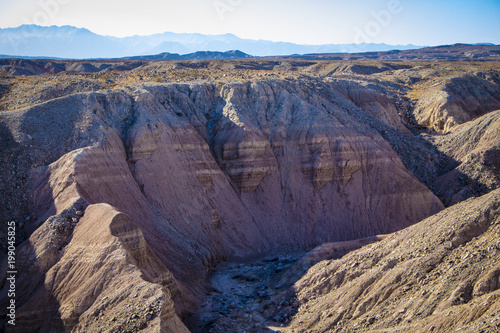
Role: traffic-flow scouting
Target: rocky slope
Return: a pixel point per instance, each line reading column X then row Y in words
column 68, row 285
column 138, row 185
column 476, row 147
column 456, row 100
column 441, row 275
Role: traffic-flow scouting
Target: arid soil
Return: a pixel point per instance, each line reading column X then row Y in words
column 440, row 275
column 253, row 195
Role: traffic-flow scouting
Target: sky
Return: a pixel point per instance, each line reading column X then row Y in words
column 395, row 22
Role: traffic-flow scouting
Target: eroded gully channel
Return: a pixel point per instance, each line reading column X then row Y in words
column 247, row 297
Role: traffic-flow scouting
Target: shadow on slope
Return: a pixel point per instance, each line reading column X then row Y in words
column 439, row 275
column 255, row 296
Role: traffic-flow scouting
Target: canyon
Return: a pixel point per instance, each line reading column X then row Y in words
column 330, row 195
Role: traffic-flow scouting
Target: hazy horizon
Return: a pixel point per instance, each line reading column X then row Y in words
column 194, row 33
column 319, row 22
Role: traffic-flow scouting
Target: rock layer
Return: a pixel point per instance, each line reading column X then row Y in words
column 206, row 173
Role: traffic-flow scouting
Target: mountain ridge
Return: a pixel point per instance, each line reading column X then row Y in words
column 81, row 43
column 232, row 54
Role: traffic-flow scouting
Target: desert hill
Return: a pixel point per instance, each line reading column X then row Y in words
column 440, row 275
column 455, row 52
column 458, row 52
column 131, row 181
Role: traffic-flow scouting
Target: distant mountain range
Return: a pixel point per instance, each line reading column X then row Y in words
column 455, row 52
column 68, row 42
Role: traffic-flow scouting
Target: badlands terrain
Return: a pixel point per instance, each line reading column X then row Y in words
column 252, row 195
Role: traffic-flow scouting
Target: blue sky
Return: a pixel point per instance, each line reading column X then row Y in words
column 419, row 22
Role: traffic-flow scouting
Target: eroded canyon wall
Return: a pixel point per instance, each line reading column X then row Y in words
column 175, row 178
